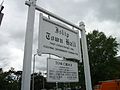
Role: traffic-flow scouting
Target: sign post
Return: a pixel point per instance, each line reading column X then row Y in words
column 85, row 58
column 26, row 75
column 59, row 43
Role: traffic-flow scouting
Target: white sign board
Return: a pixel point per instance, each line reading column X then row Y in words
column 62, row 71
column 57, row 39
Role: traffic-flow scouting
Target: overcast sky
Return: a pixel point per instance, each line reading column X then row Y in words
column 103, row 15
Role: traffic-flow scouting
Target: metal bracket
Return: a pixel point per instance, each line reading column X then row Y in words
column 30, row 3
column 38, row 52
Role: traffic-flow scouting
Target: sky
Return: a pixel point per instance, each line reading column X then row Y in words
column 102, row 15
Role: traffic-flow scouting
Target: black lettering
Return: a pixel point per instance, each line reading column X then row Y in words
column 61, row 32
column 61, row 40
column 56, row 30
column 67, row 35
column 56, row 39
column 47, row 35
column 67, row 41
column 72, row 44
column 52, row 38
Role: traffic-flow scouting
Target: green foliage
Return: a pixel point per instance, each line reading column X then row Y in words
column 102, row 55
column 7, row 83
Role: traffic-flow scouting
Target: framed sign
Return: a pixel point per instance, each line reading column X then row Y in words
column 61, row 71
column 58, row 39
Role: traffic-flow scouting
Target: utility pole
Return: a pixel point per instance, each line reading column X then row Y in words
column 26, row 75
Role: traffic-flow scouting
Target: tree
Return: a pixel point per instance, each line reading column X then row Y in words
column 102, row 55
column 10, row 80
column 40, row 82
